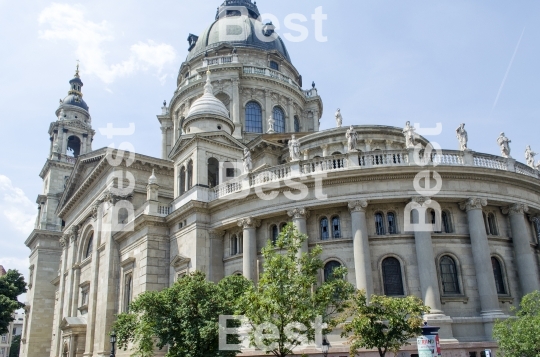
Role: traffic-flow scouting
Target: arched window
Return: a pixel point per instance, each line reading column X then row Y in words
column 329, row 269
column 498, row 274
column 392, row 224
column 74, row 146
column 190, row 175
column 234, row 245
column 324, row 229
column 279, row 118
column 274, row 65
column 536, row 223
column 434, row 221
column 446, row 222
column 492, row 225
column 379, row 224
column 275, row 233
column 253, row 118
column 128, row 291
column 296, row 124
column 392, row 280
column 449, row 276
column 336, row 227
column 213, row 172
column 182, row 180
column 486, row 223
column 89, row 247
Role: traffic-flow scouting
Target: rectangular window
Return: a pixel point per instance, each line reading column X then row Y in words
column 230, row 172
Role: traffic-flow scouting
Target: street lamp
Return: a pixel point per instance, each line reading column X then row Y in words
column 325, row 346
column 113, row 342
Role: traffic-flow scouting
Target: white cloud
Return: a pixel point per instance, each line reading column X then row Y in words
column 16, row 207
column 67, row 22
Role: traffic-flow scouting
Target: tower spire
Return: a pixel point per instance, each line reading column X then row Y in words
column 77, row 70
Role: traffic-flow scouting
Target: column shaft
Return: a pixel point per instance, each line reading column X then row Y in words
column 249, row 245
column 164, row 143
column 362, row 255
column 299, row 216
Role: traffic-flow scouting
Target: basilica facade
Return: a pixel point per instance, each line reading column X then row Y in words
column 241, row 156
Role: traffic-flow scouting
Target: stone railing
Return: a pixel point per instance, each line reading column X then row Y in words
column 261, row 71
column 310, row 93
column 363, row 161
column 212, row 61
column 191, row 79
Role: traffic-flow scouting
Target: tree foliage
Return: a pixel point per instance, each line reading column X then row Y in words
column 385, row 323
column 520, row 336
column 11, row 286
column 15, row 346
column 288, row 293
column 183, row 317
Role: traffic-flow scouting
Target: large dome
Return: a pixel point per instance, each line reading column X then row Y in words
column 237, row 24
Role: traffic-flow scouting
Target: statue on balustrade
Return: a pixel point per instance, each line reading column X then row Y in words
column 504, row 144
column 462, row 136
column 529, row 156
column 271, row 123
column 248, row 164
column 352, row 139
column 61, row 115
column 339, row 118
column 294, row 149
column 409, row 132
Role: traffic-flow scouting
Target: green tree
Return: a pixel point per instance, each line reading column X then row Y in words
column 288, row 293
column 520, row 336
column 11, row 286
column 385, row 323
column 184, row 317
column 15, row 346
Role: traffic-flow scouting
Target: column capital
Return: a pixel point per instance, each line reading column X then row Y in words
column 473, row 203
column 516, row 208
column 421, row 199
column 216, row 234
column 249, row 222
column 297, row 213
column 358, row 206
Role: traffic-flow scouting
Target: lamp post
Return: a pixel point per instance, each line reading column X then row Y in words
column 325, row 346
column 113, row 342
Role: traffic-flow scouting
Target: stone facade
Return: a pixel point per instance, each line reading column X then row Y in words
column 113, row 225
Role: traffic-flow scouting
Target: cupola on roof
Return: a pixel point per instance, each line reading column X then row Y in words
column 75, row 93
column 208, row 104
column 238, row 24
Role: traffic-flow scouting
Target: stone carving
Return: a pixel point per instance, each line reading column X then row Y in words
column 271, row 123
column 352, row 139
column 63, row 240
column 249, row 222
column 73, row 233
column 409, row 132
column 518, row 208
column 358, row 206
column 462, row 137
column 339, row 118
column 61, row 115
column 294, row 149
column 297, row 213
column 504, row 144
column 529, row 156
column 473, row 203
column 248, row 164
column 95, row 209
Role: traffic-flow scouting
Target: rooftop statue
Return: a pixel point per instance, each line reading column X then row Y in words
column 504, row 144
column 352, row 139
column 271, row 123
column 339, row 118
column 409, row 132
column 462, row 137
column 529, row 156
column 248, row 164
column 294, row 149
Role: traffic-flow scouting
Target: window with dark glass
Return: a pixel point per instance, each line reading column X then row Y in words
column 279, row 120
column 190, row 175
column 296, row 124
column 324, row 229
column 392, row 279
column 274, row 65
column 392, row 224
column 492, row 224
column 449, row 276
column 253, row 118
column 498, row 274
column 336, row 227
column 89, row 248
column 329, row 269
column 379, row 224
column 128, row 292
column 234, row 245
column 434, row 221
column 446, row 223
column 213, row 172
column 182, row 180
column 275, row 234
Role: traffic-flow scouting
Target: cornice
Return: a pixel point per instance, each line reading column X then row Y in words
column 43, row 234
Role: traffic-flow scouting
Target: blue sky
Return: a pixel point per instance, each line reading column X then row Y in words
column 384, row 62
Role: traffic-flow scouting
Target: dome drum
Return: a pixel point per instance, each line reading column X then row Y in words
column 202, row 123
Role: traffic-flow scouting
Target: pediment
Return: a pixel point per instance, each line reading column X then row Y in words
column 180, row 261
column 218, row 138
column 69, row 323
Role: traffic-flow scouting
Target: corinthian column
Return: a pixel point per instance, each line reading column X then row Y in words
column 362, row 256
column 249, row 246
column 489, row 300
column 525, row 257
column 299, row 216
column 425, row 257
column 163, row 142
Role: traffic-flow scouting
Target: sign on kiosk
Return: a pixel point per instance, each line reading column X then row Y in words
column 429, row 344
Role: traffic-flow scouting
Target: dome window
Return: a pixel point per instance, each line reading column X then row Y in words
column 268, row 29
column 274, row 65
column 219, row 127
